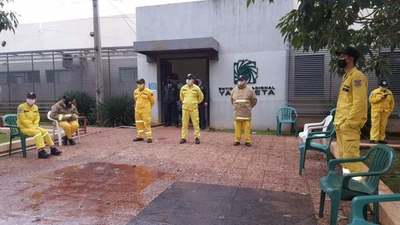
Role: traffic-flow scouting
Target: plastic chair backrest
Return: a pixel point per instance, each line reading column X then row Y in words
column 332, row 112
column 379, row 159
column 287, row 114
column 327, row 123
column 11, row 120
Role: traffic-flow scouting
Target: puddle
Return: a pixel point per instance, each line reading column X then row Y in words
column 95, row 189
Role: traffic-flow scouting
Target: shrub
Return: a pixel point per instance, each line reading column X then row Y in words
column 118, row 111
column 86, row 105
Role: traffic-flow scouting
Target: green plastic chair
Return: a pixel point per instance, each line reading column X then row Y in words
column 359, row 203
column 286, row 115
column 10, row 121
column 342, row 187
column 324, row 146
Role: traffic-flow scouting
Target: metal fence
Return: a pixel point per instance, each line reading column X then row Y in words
column 53, row 73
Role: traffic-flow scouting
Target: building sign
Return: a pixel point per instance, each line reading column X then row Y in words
column 245, row 68
column 249, row 70
column 153, row 86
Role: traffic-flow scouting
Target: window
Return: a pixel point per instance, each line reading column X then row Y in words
column 20, row 77
column 127, row 74
column 59, row 76
column 309, row 75
column 394, row 77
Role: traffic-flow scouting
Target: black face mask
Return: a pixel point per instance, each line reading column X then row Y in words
column 68, row 104
column 342, row 63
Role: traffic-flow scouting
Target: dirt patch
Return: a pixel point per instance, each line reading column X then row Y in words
column 95, row 189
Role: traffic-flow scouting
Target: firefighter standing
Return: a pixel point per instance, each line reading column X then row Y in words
column 28, row 122
column 66, row 113
column 382, row 105
column 191, row 96
column 243, row 99
column 144, row 101
column 352, row 107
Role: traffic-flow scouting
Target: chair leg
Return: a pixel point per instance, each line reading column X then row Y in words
column 321, row 204
column 10, row 147
column 23, row 146
column 376, row 213
column 335, row 203
column 302, row 160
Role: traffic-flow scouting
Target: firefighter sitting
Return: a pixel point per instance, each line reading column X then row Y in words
column 28, row 122
column 67, row 115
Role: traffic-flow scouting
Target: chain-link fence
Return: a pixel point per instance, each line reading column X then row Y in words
column 53, row 73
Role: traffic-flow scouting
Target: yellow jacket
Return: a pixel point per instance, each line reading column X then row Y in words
column 380, row 103
column 352, row 104
column 191, row 97
column 144, row 99
column 28, row 116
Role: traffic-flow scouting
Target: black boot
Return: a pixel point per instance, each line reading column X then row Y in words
column 236, row 143
column 382, row 142
column 138, row 139
column 55, row 151
column 149, row 140
column 42, row 154
column 71, row 141
column 64, row 140
column 248, row 144
column 197, row 141
column 183, row 141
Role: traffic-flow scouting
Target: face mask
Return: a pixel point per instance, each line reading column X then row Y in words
column 241, row 83
column 140, row 86
column 342, row 63
column 30, row 101
column 189, row 82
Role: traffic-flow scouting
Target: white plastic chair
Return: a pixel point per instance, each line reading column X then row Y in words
column 59, row 130
column 309, row 127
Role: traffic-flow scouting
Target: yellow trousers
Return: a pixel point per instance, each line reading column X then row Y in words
column 193, row 115
column 379, row 122
column 69, row 128
column 244, row 125
column 348, row 145
column 40, row 135
column 143, row 124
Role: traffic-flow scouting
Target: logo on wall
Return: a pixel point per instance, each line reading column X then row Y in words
column 246, row 68
column 249, row 70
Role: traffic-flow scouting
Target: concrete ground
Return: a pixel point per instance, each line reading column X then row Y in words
column 108, row 179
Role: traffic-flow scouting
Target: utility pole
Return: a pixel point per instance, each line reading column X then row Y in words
column 98, row 58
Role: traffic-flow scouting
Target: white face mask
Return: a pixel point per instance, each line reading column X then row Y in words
column 189, row 82
column 241, row 83
column 30, row 101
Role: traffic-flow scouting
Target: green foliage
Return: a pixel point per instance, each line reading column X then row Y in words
column 369, row 25
column 118, row 111
column 8, row 19
column 86, row 105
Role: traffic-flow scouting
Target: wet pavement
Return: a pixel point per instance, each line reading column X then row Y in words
column 107, row 179
column 209, row 204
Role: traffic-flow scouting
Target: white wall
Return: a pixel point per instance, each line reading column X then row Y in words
column 243, row 33
column 68, row 34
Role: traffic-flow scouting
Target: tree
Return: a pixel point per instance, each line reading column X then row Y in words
column 369, row 25
column 8, row 19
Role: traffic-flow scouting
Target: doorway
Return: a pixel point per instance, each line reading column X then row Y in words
column 176, row 69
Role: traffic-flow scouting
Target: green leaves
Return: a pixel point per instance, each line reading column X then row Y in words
column 369, row 25
column 8, row 19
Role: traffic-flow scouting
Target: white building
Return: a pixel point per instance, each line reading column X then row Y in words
column 207, row 39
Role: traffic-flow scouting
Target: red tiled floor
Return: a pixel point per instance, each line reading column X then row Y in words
column 272, row 163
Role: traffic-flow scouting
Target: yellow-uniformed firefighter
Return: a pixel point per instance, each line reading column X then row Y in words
column 382, row 105
column 28, row 122
column 243, row 99
column 352, row 107
column 191, row 96
column 144, row 101
column 67, row 115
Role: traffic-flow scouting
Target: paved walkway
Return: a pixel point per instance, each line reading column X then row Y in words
column 107, row 179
